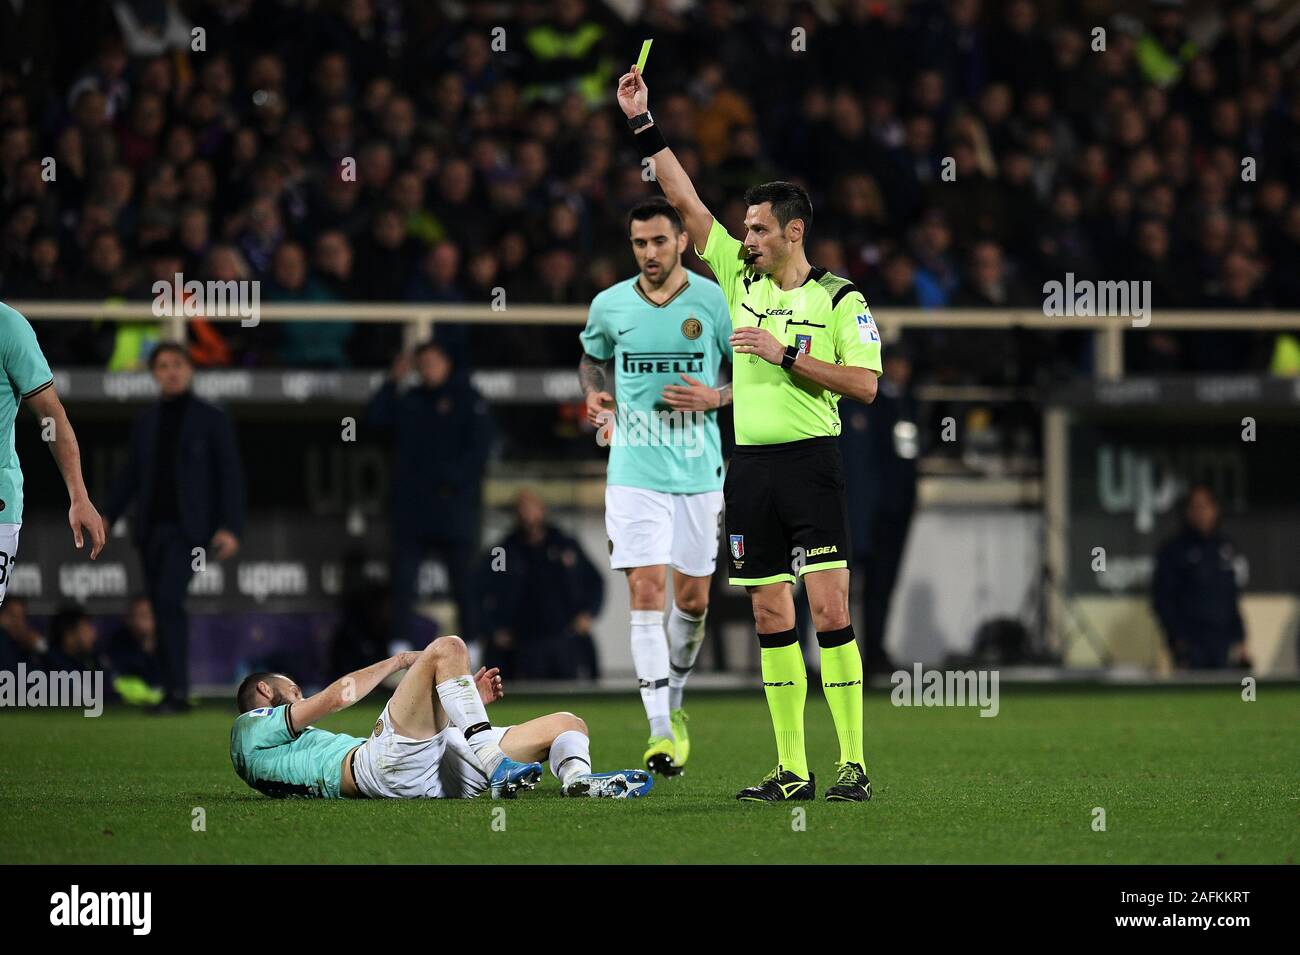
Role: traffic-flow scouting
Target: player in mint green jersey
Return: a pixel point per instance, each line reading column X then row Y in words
column 652, row 346
column 27, row 378
column 802, row 338
column 433, row 739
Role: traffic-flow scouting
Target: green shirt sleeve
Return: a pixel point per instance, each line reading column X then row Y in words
column 265, row 728
column 595, row 338
column 721, row 323
column 725, row 255
column 24, row 364
column 857, row 339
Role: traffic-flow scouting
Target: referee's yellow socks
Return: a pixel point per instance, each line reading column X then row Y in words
column 785, row 682
column 842, row 684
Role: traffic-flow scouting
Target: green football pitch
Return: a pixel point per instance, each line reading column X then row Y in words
column 1183, row 775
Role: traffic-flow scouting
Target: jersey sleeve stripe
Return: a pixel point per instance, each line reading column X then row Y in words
column 38, row 389
column 288, row 721
column 844, row 290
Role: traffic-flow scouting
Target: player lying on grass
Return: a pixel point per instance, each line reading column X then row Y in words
column 432, row 741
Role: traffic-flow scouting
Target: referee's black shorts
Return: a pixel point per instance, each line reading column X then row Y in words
column 786, row 513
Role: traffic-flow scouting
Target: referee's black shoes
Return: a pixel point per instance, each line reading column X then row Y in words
column 852, row 785
column 780, row 785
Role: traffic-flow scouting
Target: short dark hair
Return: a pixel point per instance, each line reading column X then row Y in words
column 658, row 206
column 246, row 696
column 788, row 201
column 163, row 348
column 431, row 344
column 65, row 621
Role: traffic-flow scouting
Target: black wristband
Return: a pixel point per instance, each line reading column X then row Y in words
column 791, row 353
column 650, row 141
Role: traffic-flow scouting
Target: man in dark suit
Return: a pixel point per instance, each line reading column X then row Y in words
column 879, row 449
column 1194, row 589
column 183, row 471
column 441, row 431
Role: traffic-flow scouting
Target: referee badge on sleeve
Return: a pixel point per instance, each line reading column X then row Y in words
column 867, row 331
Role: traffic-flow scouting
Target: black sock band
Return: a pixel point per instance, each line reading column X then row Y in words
column 567, row 759
column 785, row 638
column 835, row 638
column 476, row 729
column 650, row 141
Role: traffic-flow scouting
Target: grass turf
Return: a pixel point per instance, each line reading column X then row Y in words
column 1185, row 775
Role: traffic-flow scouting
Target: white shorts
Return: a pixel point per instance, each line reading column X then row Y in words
column 389, row 766
column 8, row 553
column 647, row 527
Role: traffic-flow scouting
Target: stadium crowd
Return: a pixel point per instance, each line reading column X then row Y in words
column 490, row 156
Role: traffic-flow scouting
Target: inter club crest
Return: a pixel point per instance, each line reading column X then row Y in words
column 737, row 546
column 803, row 343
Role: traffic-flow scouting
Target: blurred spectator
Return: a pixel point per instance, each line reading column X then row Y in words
column 441, row 432
column 20, row 642
column 133, row 646
column 184, row 476
column 880, row 448
column 541, row 594
column 74, row 642
column 365, row 617
column 305, row 344
column 1195, row 589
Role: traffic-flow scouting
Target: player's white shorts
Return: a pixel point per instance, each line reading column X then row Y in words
column 8, row 551
column 389, row 766
column 647, row 527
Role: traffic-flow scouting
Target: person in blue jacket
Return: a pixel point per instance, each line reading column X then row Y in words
column 540, row 600
column 441, row 431
column 1195, row 589
column 879, row 447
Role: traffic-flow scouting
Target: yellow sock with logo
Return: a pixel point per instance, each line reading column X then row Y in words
column 785, row 682
column 842, row 684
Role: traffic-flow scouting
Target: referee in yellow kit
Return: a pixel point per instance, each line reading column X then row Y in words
column 809, row 338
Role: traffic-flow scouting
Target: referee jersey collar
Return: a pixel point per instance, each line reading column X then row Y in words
column 814, row 275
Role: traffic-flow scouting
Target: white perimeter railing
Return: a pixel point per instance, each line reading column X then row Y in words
column 1108, row 332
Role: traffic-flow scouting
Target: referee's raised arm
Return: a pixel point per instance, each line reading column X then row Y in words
column 634, row 99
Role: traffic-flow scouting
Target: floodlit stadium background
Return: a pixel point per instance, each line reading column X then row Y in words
column 959, row 156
